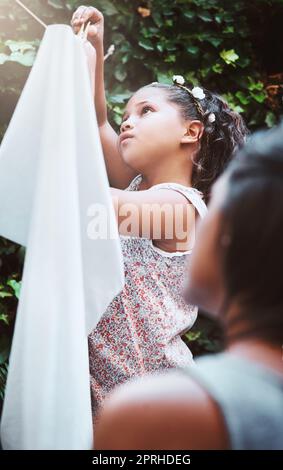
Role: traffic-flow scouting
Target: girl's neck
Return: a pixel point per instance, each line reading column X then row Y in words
column 163, row 174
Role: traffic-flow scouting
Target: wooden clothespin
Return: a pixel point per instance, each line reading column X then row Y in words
column 84, row 32
column 31, row 13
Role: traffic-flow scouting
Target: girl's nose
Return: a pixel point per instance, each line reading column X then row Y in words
column 127, row 124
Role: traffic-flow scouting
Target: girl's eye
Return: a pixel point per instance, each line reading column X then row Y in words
column 146, row 108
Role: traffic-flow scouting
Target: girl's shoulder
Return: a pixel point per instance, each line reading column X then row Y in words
column 194, row 196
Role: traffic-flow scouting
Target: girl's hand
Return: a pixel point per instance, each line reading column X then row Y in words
column 84, row 14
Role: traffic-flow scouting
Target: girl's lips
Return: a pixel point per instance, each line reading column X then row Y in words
column 126, row 140
column 124, row 136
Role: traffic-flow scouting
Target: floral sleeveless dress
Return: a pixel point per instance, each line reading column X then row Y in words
column 140, row 332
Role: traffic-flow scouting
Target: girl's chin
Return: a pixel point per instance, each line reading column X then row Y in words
column 132, row 160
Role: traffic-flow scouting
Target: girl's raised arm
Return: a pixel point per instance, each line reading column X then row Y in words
column 119, row 174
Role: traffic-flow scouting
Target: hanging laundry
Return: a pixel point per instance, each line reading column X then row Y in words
column 52, row 172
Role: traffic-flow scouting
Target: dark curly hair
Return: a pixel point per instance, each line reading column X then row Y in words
column 220, row 138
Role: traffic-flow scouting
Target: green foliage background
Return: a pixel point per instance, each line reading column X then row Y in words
column 230, row 46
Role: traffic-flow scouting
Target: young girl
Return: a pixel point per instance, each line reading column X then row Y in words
column 173, row 144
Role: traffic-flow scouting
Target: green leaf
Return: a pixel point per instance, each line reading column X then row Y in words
column 4, row 318
column 20, row 46
column 4, row 294
column 205, row 16
column 146, row 33
column 230, row 57
column 169, row 23
column 26, row 59
column 194, row 50
column 108, row 8
column 125, row 58
column 253, row 85
column 153, row 30
column 217, row 68
column 191, row 78
column 189, row 14
column 270, row 119
column 230, row 98
column 170, row 46
column 259, row 97
column 120, row 74
column 228, row 30
column 157, row 19
column 117, row 119
column 146, row 44
column 4, row 58
column 118, row 38
column 164, row 78
column 16, row 286
column 218, row 18
column 193, row 335
column 237, row 108
column 215, row 41
column 243, row 62
column 170, row 58
column 242, row 97
column 120, row 98
column 228, row 18
column 118, row 110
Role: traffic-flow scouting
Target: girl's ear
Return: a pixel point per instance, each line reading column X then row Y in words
column 193, row 132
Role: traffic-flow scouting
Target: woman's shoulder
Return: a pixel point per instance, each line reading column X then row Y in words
column 169, row 409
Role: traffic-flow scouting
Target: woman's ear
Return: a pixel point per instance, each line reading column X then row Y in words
column 193, row 132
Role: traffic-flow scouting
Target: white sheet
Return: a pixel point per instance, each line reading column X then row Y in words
column 51, row 171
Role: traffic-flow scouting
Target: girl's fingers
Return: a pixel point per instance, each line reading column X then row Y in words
column 83, row 14
column 78, row 14
column 78, row 11
column 93, row 13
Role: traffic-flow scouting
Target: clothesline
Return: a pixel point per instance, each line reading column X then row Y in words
column 31, row 13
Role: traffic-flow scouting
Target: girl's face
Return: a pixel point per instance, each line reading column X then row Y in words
column 156, row 129
column 205, row 286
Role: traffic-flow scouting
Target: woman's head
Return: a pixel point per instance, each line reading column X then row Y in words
column 238, row 258
column 208, row 146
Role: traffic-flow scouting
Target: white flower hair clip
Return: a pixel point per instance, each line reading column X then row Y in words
column 178, row 79
column 198, row 93
column 211, row 118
